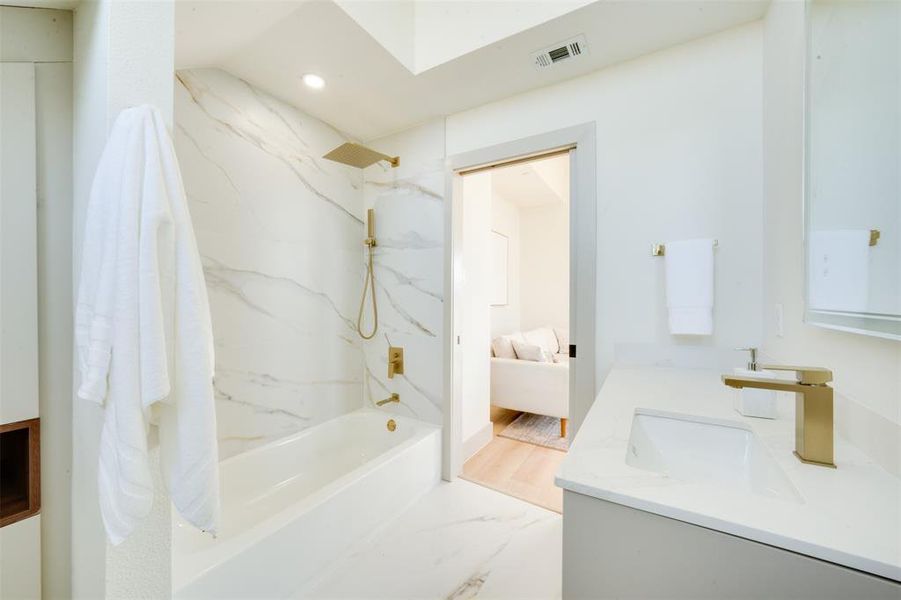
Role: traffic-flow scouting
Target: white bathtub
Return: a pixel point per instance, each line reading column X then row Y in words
column 292, row 507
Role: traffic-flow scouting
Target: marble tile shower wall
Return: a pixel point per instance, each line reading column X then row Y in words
column 279, row 231
column 409, row 271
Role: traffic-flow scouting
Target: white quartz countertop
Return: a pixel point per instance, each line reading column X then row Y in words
column 850, row 515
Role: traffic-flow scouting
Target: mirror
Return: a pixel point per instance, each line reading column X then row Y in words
column 853, row 170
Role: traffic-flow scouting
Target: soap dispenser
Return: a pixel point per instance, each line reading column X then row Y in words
column 755, row 402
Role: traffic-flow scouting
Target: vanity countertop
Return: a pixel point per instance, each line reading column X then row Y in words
column 850, row 515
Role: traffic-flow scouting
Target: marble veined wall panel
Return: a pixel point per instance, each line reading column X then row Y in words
column 409, row 270
column 280, row 231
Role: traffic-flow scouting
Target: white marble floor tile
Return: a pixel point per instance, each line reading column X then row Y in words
column 459, row 541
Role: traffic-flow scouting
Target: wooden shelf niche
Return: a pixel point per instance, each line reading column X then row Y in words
column 20, row 471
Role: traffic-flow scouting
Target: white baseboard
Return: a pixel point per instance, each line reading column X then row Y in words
column 477, row 441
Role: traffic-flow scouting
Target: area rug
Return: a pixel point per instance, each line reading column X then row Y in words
column 536, row 429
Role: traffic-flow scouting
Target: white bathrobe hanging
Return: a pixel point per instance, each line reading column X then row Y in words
column 143, row 330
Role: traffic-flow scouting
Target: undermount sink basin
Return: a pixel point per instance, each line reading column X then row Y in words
column 701, row 450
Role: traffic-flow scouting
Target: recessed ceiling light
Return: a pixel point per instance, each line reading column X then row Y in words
column 312, row 80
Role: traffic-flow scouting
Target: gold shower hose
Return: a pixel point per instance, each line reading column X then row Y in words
column 369, row 284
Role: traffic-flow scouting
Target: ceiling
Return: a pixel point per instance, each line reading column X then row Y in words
column 542, row 182
column 423, row 34
column 369, row 93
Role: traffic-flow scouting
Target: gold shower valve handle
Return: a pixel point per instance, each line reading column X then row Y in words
column 395, row 361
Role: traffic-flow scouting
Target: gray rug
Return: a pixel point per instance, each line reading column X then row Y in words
column 536, row 429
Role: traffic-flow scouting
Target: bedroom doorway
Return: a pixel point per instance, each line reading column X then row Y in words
column 520, row 310
column 513, row 323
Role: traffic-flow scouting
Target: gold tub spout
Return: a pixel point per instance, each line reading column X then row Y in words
column 813, row 408
column 392, row 398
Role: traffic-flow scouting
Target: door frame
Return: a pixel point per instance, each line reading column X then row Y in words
column 581, row 139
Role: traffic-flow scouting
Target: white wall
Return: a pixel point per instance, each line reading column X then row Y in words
column 538, row 265
column 679, row 156
column 867, row 370
column 505, row 220
column 54, row 130
column 279, row 231
column 123, row 56
column 544, row 270
column 475, row 312
column 55, row 327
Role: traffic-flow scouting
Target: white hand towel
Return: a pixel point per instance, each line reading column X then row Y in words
column 689, row 286
column 140, row 280
column 839, row 270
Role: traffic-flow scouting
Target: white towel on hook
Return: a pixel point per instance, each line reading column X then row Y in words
column 143, row 330
column 689, row 286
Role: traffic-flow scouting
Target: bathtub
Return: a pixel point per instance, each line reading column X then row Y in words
column 292, row 507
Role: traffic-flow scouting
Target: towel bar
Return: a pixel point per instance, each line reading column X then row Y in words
column 660, row 249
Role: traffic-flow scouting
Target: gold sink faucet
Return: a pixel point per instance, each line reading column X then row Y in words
column 813, row 408
column 391, row 398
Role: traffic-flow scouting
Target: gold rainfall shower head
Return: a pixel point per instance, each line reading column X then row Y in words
column 359, row 156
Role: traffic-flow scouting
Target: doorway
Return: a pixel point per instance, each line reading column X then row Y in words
column 514, row 326
column 498, row 424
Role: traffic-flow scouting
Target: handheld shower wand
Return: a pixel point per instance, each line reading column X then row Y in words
column 369, row 280
column 361, row 157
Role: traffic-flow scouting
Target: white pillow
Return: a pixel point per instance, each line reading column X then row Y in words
column 562, row 340
column 544, row 337
column 502, row 347
column 526, row 351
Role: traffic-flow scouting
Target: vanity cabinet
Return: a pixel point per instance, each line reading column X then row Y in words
column 614, row 551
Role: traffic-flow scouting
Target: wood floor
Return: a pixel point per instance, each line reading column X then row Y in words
column 522, row 470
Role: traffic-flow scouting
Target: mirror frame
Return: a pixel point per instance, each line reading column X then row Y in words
column 872, row 324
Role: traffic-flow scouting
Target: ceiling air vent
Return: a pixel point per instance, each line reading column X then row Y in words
column 568, row 50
